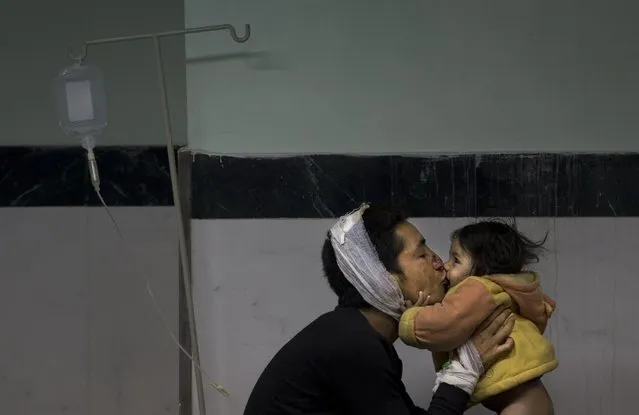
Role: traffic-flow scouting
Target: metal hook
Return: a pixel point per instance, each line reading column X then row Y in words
column 78, row 58
column 204, row 29
column 247, row 34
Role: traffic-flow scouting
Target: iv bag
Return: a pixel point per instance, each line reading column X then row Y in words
column 81, row 100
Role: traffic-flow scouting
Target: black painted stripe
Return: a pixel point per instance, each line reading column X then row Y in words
column 58, row 176
column 550, row 185
column 559, row 185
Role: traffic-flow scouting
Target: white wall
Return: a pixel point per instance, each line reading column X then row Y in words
column 259, row 281
column 414, row 76
column 80, row 334
column 34, row 36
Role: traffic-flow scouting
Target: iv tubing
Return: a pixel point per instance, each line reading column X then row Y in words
column 184, row 258
column 88, row 142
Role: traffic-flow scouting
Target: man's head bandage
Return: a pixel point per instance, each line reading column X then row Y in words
column 359, row 262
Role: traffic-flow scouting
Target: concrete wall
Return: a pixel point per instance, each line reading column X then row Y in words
column 404, row 78
column 81, row 335
column 34, row 37
column 414, row 76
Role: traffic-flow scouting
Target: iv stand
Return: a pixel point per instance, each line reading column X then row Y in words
column 184, row 259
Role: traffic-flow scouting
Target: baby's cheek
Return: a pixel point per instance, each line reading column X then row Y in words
column 457, row 278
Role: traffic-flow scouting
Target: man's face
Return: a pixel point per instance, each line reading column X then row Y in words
column 423, row 269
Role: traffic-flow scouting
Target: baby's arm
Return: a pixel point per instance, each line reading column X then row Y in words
column 446, row 326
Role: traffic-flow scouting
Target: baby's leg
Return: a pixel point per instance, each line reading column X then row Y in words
column 531, row 398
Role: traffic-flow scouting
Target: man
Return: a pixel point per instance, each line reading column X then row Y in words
column 344, row 362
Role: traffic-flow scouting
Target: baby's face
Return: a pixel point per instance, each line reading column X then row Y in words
column 459, row 265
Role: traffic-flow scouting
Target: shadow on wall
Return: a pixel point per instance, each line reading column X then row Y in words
column 257, row 60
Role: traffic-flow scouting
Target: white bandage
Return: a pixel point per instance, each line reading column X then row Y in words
column 463, row 371
column 360, row 264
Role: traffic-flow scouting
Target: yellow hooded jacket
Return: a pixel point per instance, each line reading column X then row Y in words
column 444, row 327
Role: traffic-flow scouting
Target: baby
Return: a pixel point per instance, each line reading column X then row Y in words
column 486, row 270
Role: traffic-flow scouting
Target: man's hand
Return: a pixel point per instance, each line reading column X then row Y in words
column 422, row 300
column 491, row 337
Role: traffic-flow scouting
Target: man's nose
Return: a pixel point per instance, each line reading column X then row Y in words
column 447, row 265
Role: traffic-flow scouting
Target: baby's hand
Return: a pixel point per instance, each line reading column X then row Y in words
column 422, row 300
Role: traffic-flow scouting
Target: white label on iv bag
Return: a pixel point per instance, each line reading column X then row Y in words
column 79, row 101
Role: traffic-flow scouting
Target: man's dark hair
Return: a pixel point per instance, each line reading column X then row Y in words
column 380, row 223
column 496, row 247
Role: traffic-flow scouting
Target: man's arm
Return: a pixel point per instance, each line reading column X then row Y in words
column 447, row 400
column 446, row 326
column 366, row 383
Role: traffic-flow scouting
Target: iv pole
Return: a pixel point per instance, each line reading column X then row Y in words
column 184, row 259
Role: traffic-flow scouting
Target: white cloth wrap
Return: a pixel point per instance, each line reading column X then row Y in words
column 463, row 371
column 359, row 262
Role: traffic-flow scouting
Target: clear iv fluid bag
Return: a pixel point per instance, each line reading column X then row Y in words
column 81, row 100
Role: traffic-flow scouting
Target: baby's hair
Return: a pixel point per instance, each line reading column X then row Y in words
column 496, row 247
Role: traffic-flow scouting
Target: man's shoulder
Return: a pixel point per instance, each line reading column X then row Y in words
column 333, row 346
column 337, row 326
column 341, row 331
